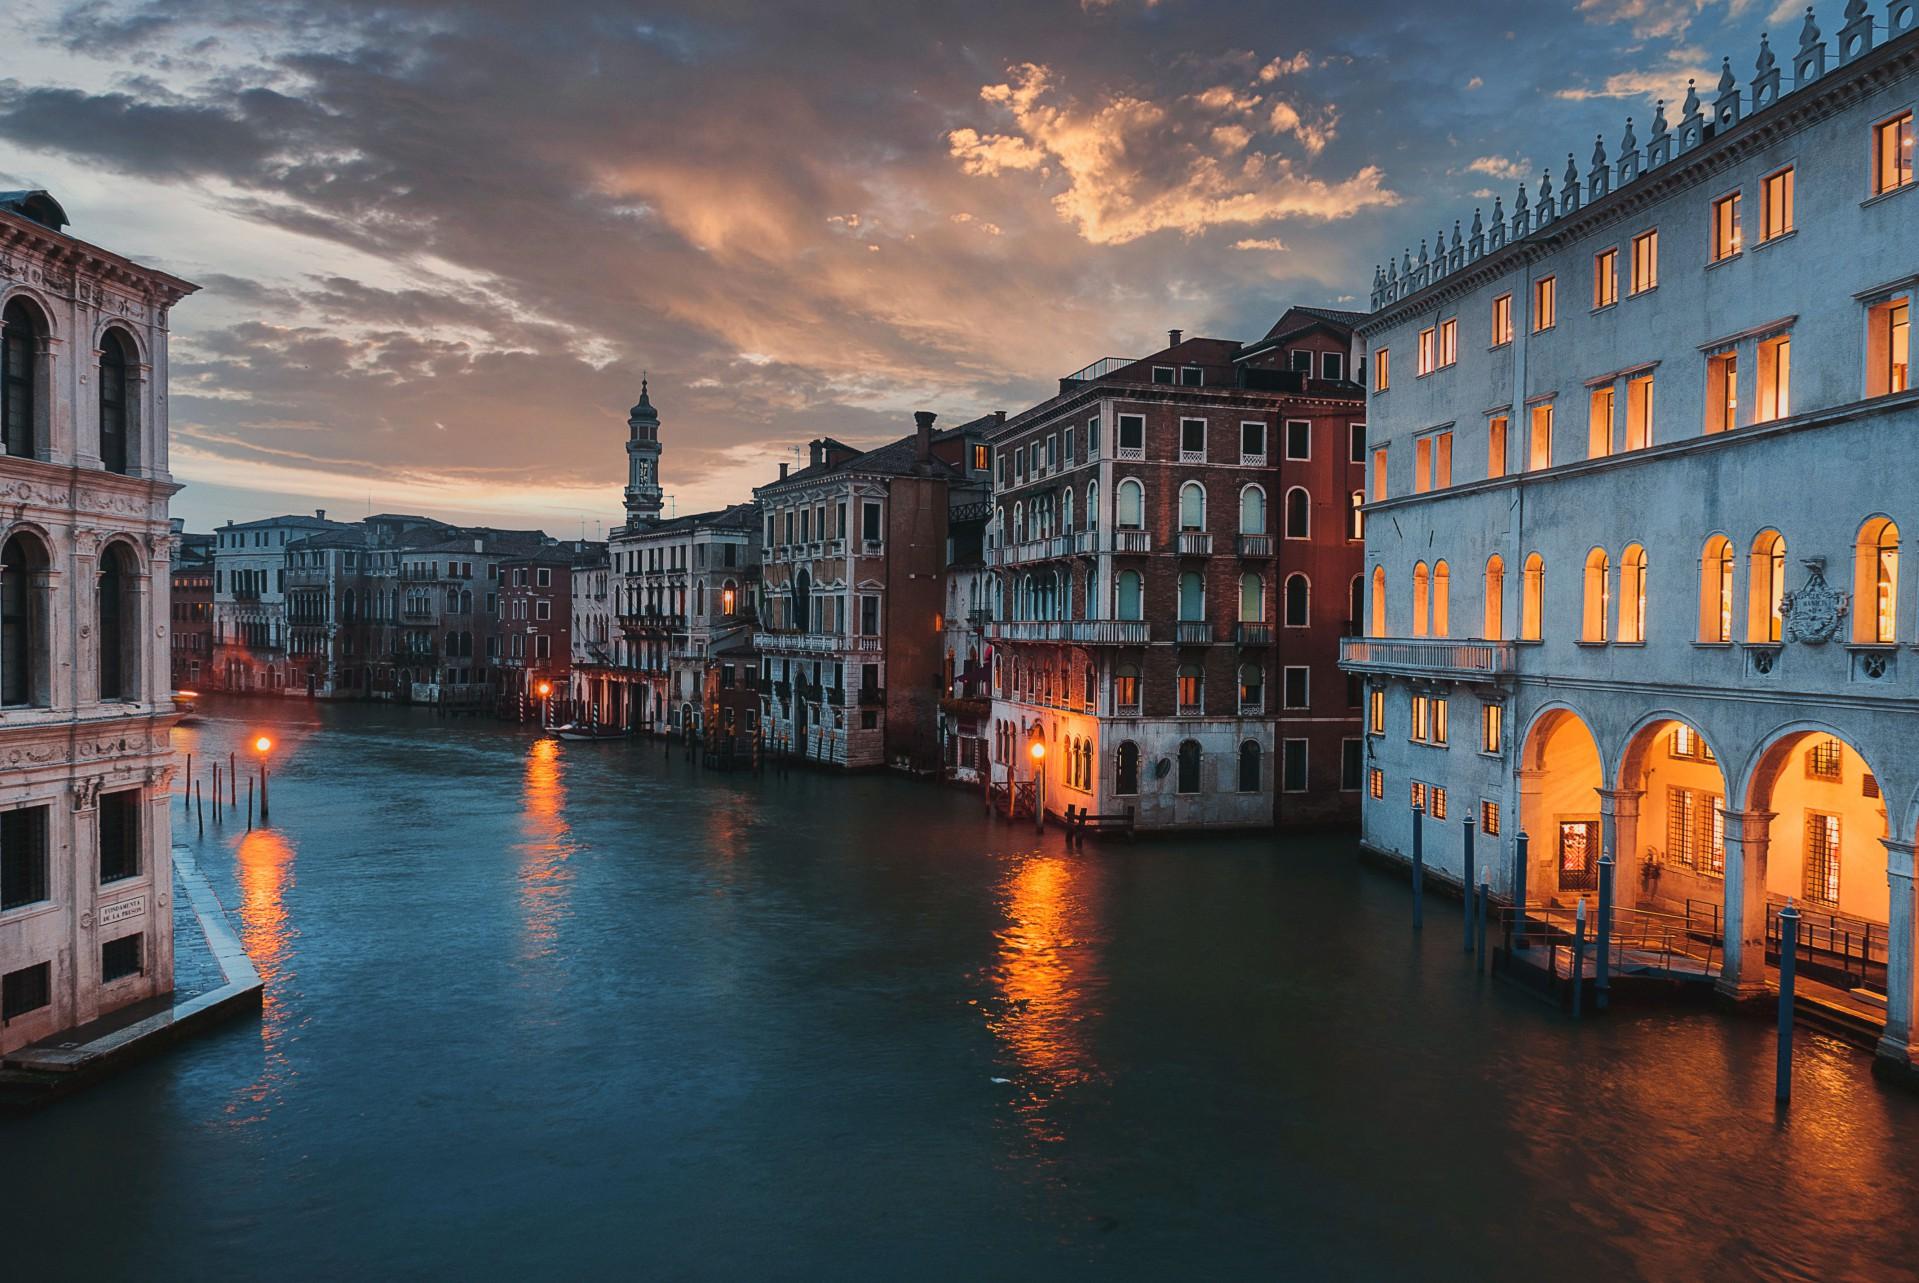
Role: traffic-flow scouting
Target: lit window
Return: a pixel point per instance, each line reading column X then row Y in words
column 1379, row 601
column 1766, row 579
column 1715, row 591
column 1645, row 261
column 1428, row 350
column 1606, row 278
column 1442, row 460
column 1422, row 465
column 1421, row 706
column 1376, row 784
column 1376, row 712
column 1722, row 392
column 1639, row 412
column 1489, row 818
column 1545, row 303
column 1892, row 153
column 1632, row 594
column 1502, row 319
column 1725, row 227
column 1496, row 445
column 1775, row 214
column 1533, row 597
column 1775, row 379
column 1599, row 423
column 1875, row 579
column 1598, row 597
column 1490, row 716
column 1442, row 607
column 1382, row 370
column 1889, row 347
column 1448, row 342
column 1495, row 598
column 1379, row 474
column 1438, row 736
column 1439, row 802
column 1822, row 851
column 1422, row 599
column 1539, row 451
column 1419, row 796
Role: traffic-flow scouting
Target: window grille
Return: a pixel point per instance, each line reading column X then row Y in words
column 1822, row 761
column 1822, row 857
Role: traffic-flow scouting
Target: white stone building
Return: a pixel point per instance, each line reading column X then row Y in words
column 85, row 553
column 250, row 628
column 1638, row 473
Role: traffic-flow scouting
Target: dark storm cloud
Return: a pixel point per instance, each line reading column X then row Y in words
column 801, row 217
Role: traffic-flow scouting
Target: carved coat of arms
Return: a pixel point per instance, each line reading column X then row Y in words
column 1813, row 613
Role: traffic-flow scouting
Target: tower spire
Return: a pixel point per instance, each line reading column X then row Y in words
column 643, row 495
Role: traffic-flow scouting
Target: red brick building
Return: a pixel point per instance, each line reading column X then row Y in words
column 1175, row 553
column 535, row 631
column 191, row 647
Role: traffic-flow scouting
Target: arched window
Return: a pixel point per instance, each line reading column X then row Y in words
column 1131, row 510
column 1249, row 756
column 1192, row 506
column 1875, row 582
column 1126, row 769
column 1192, row 688
column 1596, row 602
column 23, row 622
column 1089, row 607
column 1355, row 599
column 1299, row 519
column 1126, row 595
column 1766, row 588
column 1715, row 590
column 1422, row 598
column 1188, row 773
column 1632, row 594
column 1252, row 598
column 118, row 633
column 803, row 602
column 1299, row 600
column 1126, row 689
column 1192, row 597
column 1379, row 601
column 1252, row 511
column 1442, row 599
column 1066, row 511
column 1252, row 688
column 20, row 342
column 116, row 400
column 1532, row 604
column 1019, row 522
column 1494, row 623
column 1359, row 515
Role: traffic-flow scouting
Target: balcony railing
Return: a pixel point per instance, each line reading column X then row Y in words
column 1195, row 543
column 1100, row 368
column 1427, row 656
column 1255, row 545
column 1129, row 452
column 1253, row 634
column 1091, row 632
column 1194, row 632
column 815, row 643
column 1085, row 541
column 1132, row 541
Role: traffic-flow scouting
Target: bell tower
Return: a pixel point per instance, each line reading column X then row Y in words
column 643, row 496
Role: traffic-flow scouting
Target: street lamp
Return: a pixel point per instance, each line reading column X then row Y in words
column 545, row 691
column 1038, row 752
column 263, row 745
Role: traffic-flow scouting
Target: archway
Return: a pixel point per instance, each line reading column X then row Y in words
column 1668, row 822
column 1560, row 779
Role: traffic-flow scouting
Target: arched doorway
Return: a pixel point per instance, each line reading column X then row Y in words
column 1668, row 821
column 1560, row 779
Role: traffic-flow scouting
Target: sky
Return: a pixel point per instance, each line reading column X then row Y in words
column 439, row 243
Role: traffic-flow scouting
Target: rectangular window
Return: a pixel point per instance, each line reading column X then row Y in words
column 1696, row 831
column 1132, row 436
column 119, row 818
column 1421, row 710
column 1775, row 211
column 1722, row 392
column 1489, row 818
column 1539, row 446
column 1645, row 261
column 1775, row 379
column 1438, row 726
column 1293, row 766
column 1092, row 437
column 542, row 609
column 1496, row 445
column 1192, row 440
column 1300, row 359
column 1295, row 686
column 1490, row 718
column 121, row 958
column 23, row 856
column 1162, row 374
column 1066, row 447
column 1379, row 474
column 1376, row 712
column 870, row 522
column 1356, row 442
column 1545, row 303
column 1382, row 370
column 1252, row 441
column 982, row 458
column 1599, row 423
column 542, row 647
column 1352, row 760
column 1422, row 465
column 1299, row 439
column 1605, row 278
column 869, row 616
column 1822, row 858
column 1418, row 795
column 1502, row 320
column 1191, row 376
column 1725, row 227
column 1052, row 452
column 1332, row 365
column 1428, row 352
column 1442, row 460
column 1438, row 796
column 1824, row 761
column 25, row 990
column 1889, row 347
column 1639, row 412
column 1376, row 784
column 1892, row 153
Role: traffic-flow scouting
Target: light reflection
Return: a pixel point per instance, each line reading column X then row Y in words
column 263, row 862
column 1048, row 985
column 545, row 877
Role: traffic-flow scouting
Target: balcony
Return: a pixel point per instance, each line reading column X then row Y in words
column 1255, row 545
column 1132, row 541
column 1129, row 452
column 1253, row 634
column 1428, row 657
column 1085, row 541
column 1091, row 632
column 1099, row 369
column 795, row 643
column 1195, row 543
column 1194, row 632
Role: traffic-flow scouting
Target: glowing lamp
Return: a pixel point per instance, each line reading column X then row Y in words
column 545, row 688
column 263, row 744
column 1038, row 750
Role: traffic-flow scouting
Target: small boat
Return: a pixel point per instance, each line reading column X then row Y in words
column 573, row 732
column 184, row 703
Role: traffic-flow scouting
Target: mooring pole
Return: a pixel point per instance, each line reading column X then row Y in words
column 216, row 790
column 1788, row 968
column 233, row 782
column 1602, row 986
column 263, row 790
column 1466, row 884
column 1485, row 893
column 249, row 804
column 1519, row 891
column 1419, row 867
column 186, row 801
column 1579, row 953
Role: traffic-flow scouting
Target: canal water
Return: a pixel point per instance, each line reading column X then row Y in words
column 552, row 1010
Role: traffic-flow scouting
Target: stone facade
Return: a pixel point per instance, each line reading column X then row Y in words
column 85, row 663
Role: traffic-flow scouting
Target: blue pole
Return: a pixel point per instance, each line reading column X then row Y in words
column 1466, row 883
column 1788, row 966
column 1519, row 892
column 1419, row 867
column 1579, row 954
column 1602, row 987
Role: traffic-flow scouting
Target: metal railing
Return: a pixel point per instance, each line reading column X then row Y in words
column 1255, row 545
column 1132, row 541
column 1193, row 632
column 1423, row 655
column 1195, row 543
column 1253, row 633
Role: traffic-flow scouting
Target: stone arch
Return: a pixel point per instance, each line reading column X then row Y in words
column 1665, row 820
column 1562, row 774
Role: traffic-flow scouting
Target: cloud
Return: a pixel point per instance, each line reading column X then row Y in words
column 1267, row 243
column 1498, row 167
column 1127, row 166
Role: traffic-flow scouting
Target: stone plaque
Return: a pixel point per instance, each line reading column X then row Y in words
column 112, row 913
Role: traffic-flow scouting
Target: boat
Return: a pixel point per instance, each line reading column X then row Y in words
column 574, row 732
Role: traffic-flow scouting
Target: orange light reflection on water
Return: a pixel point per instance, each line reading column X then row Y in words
column 546, row 844
column 263, row 862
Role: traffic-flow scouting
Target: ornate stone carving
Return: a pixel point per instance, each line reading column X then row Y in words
column 1814, row 613
column 86, row 793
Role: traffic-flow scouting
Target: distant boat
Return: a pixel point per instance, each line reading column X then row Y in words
column 184, row 703
column 572, row 732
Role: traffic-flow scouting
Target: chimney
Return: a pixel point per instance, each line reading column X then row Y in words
column 320, row 513
column 817, row 449
column 924, row 445
column 782, row 470
column 1172, row 338
column 1000, row 415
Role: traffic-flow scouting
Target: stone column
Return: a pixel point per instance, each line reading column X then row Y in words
column 1902, row 964
column 83, row 854
column 157, row 833
column 1742, row 974
column 1543, row 838
column 1619, row 835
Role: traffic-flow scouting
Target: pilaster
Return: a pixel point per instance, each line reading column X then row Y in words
column 1902, row 973
column 1742, row 974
